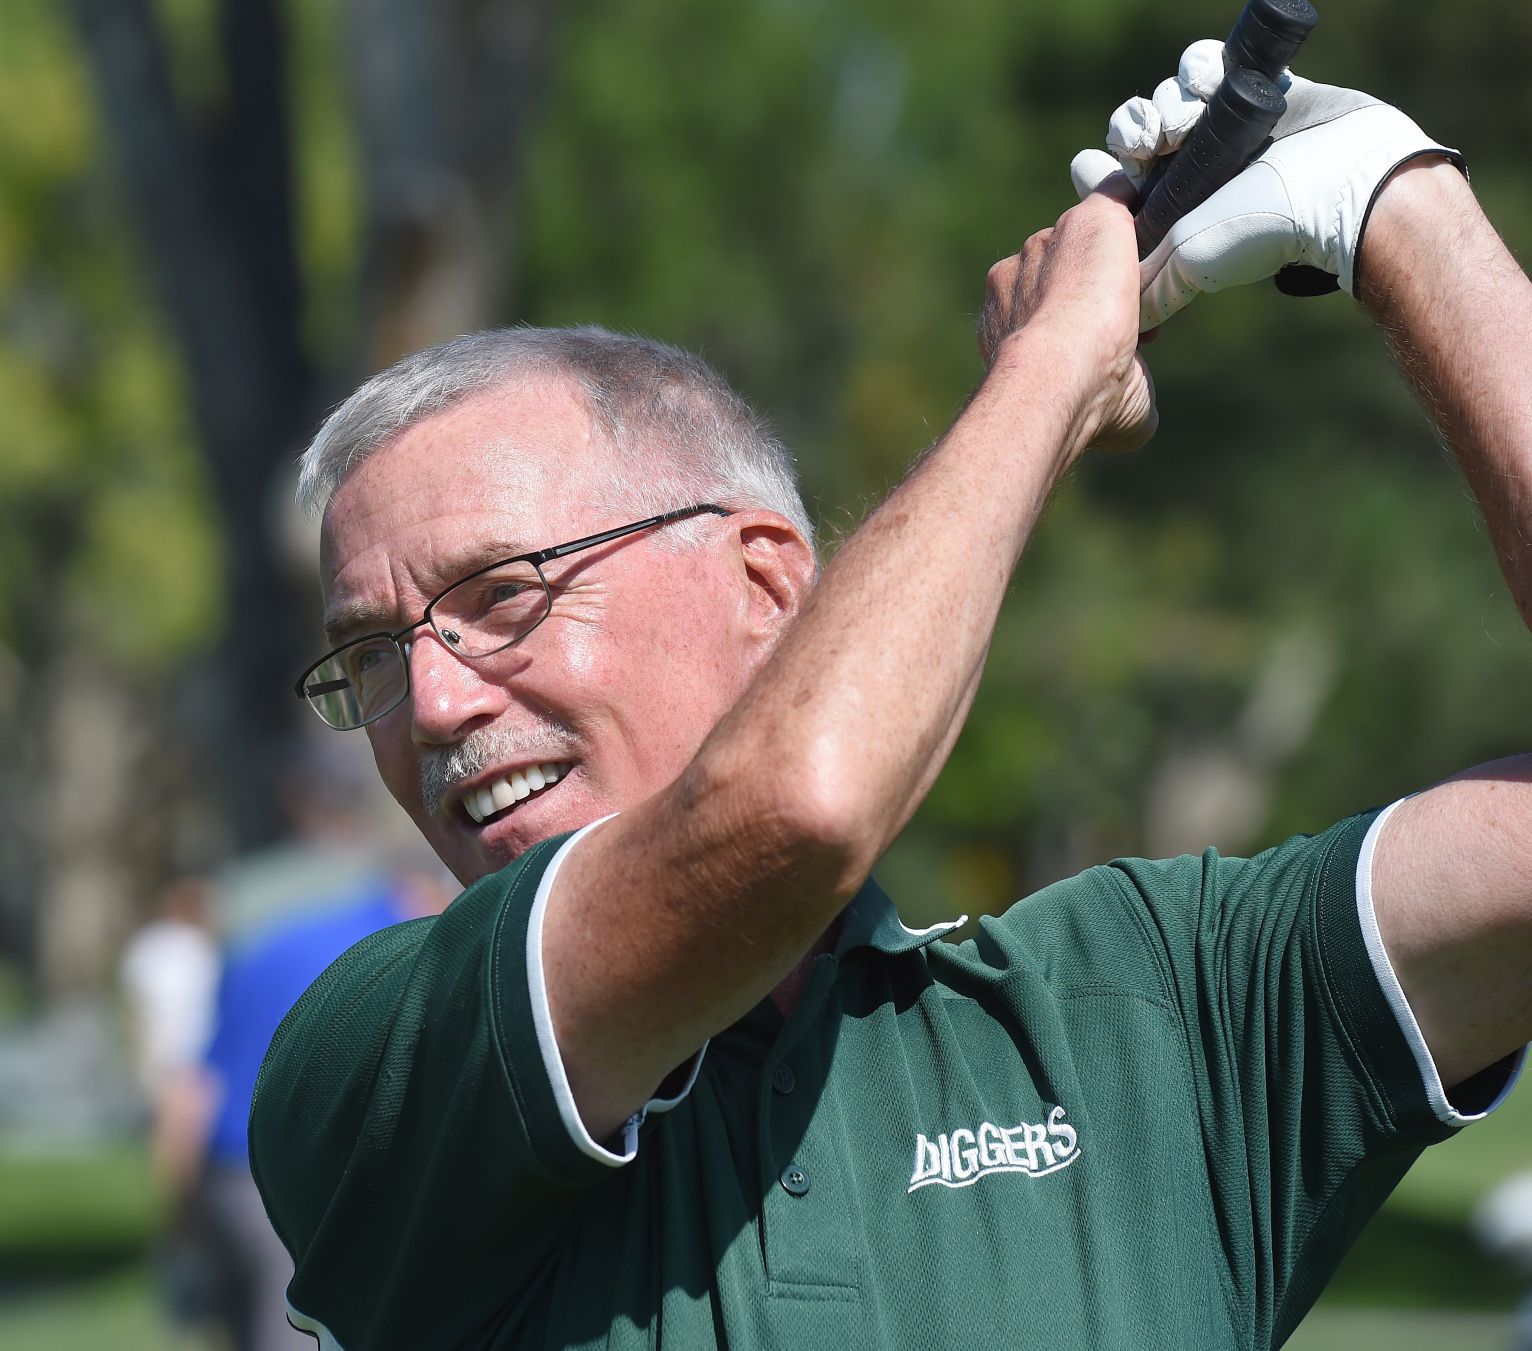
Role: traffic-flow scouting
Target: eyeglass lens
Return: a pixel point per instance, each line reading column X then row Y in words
column 490, row 611
column 357, row 683
column 479, row 616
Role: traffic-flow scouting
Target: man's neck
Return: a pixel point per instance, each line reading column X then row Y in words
column 789, row 992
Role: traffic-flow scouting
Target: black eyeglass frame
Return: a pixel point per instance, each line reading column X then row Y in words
column 536, row 559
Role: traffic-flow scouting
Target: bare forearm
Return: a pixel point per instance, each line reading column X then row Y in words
column 872, row 684
column 1458, row 311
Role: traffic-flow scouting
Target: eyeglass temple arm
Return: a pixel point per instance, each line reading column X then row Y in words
column 322, row 687
column 591, row 541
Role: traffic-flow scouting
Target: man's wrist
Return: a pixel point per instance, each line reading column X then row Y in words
column 1047, row 359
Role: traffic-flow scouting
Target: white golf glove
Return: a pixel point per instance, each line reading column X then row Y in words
column 1304, row 202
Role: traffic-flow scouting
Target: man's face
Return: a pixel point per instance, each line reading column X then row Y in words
column 644, row 650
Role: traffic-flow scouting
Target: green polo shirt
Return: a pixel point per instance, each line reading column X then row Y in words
column 1150, row 1106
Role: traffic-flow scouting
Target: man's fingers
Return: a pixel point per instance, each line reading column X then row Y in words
column 1134, row 131
column 1201, row 68
column 1178, row 112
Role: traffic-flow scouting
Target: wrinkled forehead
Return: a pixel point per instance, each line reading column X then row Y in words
column 523, row 465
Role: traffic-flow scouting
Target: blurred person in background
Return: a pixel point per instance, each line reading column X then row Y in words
column 285, row 913
column 263, row 976
column 168, row 974
column 1502, row 1222
column 329, row 846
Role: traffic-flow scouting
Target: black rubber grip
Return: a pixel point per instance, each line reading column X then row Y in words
column 1233, row 131
column 1239, row 118
column 1267, row 35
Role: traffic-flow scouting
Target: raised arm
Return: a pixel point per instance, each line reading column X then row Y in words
column 707, row 895
column 1452, row 874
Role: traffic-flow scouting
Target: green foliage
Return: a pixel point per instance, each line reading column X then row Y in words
column 328, row 174
column 16, row 995
column 103, row 515
column 810, row 192
column 118, row 1311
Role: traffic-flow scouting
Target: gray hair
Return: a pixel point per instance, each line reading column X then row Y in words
column 679, row 434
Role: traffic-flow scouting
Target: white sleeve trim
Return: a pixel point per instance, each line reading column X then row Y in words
column 1393, row 992
column 303, row 1323
column 542, row 1021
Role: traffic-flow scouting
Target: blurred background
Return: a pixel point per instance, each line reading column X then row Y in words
column 216, row 216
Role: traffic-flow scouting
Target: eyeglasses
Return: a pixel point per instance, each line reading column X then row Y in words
column 477, row 616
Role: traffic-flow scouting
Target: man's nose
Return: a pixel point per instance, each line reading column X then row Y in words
column 449, row 696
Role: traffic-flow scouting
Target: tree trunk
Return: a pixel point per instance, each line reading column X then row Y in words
column 442, row 94
column 214, row 209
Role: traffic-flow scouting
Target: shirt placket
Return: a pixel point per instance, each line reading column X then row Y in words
column 806, row 1236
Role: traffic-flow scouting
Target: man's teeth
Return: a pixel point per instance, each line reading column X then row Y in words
column 485, row 801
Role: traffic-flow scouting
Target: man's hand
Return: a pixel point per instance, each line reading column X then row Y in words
column 1305, row 201
column 1080, row 275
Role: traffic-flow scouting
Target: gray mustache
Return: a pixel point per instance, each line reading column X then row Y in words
column 444, row 767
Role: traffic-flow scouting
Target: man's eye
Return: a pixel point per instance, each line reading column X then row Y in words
column 366, row 664
column 507, row 591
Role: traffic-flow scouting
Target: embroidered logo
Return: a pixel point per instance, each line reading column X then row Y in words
column 960, row 1158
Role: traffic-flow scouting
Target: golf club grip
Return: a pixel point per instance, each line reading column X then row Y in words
column 1239, row 118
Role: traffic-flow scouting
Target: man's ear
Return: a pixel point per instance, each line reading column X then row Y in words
column 778, row 570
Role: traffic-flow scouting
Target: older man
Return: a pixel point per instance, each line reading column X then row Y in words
column 670, row 1071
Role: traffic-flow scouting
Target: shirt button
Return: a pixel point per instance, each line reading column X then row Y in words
column 795, row 1181
column 782, row 1079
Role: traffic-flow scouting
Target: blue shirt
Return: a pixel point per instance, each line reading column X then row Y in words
column 261, row 981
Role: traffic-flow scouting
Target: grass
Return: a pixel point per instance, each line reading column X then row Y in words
column 1328, row 1329
column 118, row 1311
column 73, row 1212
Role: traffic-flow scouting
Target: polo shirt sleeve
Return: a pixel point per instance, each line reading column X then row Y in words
column 412, row 1133
column 1315, row 1087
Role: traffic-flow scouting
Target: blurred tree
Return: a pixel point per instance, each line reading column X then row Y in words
column 196, row 106
column 106, row 557
column 210, row 192
column 439, row 94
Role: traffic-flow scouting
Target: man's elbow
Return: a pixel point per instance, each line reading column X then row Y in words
column 801, row 817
